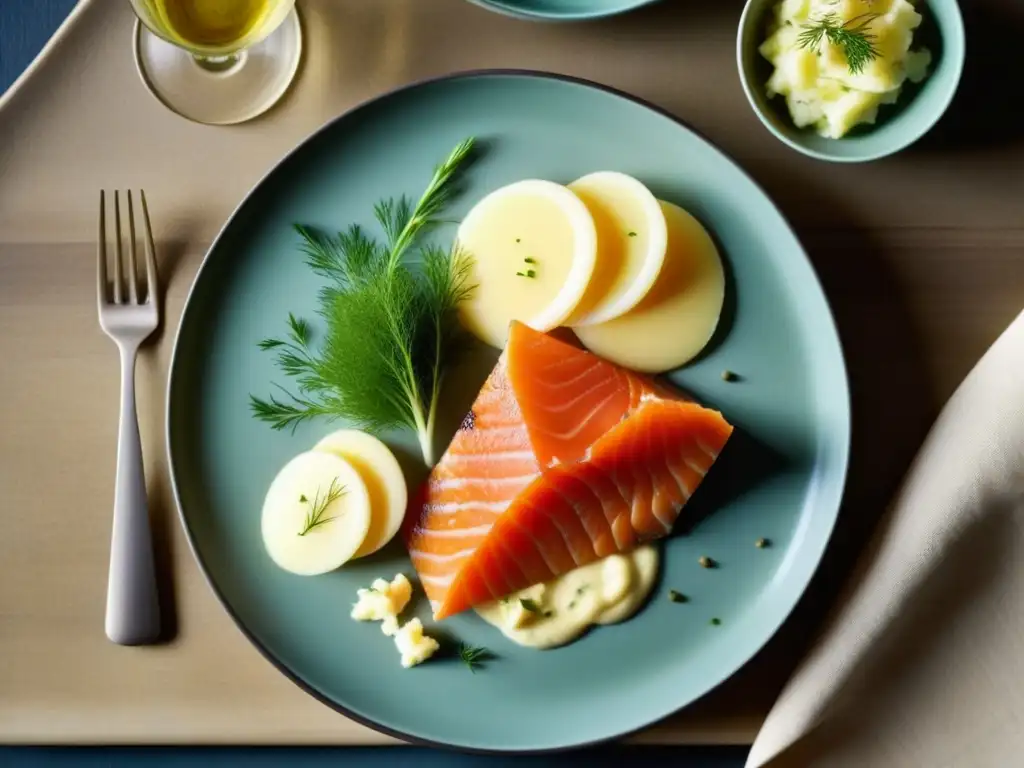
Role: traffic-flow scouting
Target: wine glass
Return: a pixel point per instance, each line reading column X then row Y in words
column 217, row 62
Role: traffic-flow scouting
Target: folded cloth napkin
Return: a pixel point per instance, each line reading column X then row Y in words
column 922, row 663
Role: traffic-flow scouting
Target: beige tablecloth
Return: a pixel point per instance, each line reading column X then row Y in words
column 923, row 661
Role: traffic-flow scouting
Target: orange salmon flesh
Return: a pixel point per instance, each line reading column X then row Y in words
column 563, row 459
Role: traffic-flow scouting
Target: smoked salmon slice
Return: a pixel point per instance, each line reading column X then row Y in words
column 629, row 491
column 564, row 458
column 569, row 397
column 489, row 461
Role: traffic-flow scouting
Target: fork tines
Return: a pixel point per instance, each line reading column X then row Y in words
column 124, row 289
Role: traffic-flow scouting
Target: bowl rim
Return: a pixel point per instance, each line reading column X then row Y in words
column 505, row 8
column 958, row 31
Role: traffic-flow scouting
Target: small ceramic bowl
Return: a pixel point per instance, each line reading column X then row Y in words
column 898, row 126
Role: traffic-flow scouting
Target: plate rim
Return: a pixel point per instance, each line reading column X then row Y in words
column 173, row 367
column 499, row 6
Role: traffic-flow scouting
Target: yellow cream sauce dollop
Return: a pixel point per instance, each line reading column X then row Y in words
column 559, row 611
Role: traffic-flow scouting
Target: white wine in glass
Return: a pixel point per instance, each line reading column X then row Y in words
column 217, row 61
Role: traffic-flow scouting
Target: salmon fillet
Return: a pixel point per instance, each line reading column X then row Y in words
column 569, row 397
column 564, row 458
column 629, row 491
column 489, row 461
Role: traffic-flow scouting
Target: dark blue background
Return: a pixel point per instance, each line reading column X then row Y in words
column 25, row 25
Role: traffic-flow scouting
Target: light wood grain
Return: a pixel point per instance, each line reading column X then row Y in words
column 922, row 257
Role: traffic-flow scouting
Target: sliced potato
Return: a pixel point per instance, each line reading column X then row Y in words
column 631, row 239
column 533, row 247
column 384, row 480
column 678, row 317
column 316, row 514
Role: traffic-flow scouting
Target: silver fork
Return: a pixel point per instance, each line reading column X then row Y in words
column 133, row 610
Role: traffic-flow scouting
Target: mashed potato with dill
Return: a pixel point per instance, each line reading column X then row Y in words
column 837, row 61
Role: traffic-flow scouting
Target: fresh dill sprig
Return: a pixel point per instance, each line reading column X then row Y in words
column 390, row 314
column 474, row 657
column 529, row 605
column 315, row 514
column 853, row 36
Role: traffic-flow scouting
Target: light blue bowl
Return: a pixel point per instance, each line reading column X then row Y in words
column 899, row 125
column 561, row 10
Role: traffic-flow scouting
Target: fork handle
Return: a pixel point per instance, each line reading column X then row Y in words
column 133, row 608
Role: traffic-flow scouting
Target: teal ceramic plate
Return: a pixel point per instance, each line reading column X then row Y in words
column 561, row 10
column 781, row 477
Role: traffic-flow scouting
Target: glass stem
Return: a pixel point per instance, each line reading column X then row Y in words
column 219, row 65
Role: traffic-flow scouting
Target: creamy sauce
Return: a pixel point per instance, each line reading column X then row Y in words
column 559, row 611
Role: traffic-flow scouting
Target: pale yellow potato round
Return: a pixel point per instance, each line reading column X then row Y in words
column 384, row 479
column 293, row 496
column 631, row 239
column 532, row 248
column 679, row 315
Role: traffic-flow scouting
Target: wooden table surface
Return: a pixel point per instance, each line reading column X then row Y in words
column 921, row 255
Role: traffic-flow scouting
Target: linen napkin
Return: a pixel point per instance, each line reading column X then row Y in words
column 922, row 662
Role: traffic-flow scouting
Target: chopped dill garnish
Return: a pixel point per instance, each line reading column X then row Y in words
column 474, row 657
column 853, row 36
column 315, row 515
